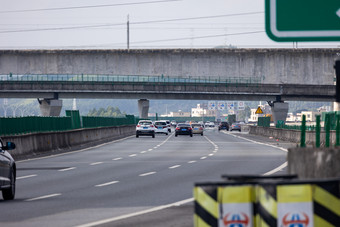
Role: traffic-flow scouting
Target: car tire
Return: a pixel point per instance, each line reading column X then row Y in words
column 166, row 133
column 202, row 134
column 137, row 136
column 176, row 135
column 190, row 135
column 153, row 135
column 9, row 193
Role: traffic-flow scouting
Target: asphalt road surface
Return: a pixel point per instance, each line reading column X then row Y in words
column 134, row 181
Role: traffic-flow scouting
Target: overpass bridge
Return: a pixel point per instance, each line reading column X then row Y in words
column 219, row 74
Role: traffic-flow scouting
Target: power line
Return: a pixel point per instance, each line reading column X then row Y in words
column 136, row 23
column 197, row 37
column 86, row 7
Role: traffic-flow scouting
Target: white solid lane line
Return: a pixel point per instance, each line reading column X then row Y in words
column 67, row 169
column 28, row 176
column 146, row 174
column 43, row 197
column 96, row 163
column 105, row 221
column 173, row 167
column 106, row 184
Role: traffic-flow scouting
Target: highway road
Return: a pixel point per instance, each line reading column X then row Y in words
column 108, row 185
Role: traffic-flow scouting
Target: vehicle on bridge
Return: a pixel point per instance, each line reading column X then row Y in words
column 183, row 129
column 161, row 127
column 7, row 171
column 145, row 128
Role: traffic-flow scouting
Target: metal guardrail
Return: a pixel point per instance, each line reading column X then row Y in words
column 128, row 78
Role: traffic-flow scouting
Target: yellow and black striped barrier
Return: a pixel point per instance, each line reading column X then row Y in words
column 298, row 203
column 268, row 203
column 224, row 204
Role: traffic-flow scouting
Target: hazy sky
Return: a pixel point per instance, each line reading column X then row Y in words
column 67, row 24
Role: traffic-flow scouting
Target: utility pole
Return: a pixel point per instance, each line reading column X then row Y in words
column 128, row 32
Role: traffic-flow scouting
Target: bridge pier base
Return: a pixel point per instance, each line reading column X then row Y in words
column 143, row 108
column 50, row 107
column 279, row 111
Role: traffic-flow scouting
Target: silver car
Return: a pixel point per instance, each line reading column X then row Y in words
column 197, row 128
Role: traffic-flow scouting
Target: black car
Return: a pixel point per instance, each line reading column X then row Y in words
column 183, row 129
column 223, row 125
column 7, row 171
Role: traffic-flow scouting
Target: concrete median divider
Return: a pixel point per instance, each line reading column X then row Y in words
column 267, row 202
column 34, row 144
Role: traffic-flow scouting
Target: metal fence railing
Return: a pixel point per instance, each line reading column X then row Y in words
column 130, row 79
column 34, row 124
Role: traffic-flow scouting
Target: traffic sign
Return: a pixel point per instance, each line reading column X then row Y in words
column 259, row 111
column 303, row 20
column 212, row 105
column 221, row 105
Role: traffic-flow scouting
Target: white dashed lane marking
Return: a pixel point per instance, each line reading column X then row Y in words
column 116, row 159
column 96, row 163
column 67, row 169
column 43, row 197
column 175, row 166
column 28, row 176
column 106, row 184
column 146, row 174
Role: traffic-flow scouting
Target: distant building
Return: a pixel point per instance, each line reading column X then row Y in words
column 200, row 112
column 179, row 114
column 310, row 115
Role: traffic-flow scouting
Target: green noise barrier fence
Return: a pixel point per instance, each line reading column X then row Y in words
column 35, row 124
column 263, row 121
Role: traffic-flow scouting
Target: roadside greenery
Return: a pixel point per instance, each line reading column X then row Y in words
column 108, row 112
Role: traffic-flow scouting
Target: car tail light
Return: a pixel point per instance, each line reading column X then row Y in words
column 201, row 128
column 138, row 125
column 189, row 128
column 151, row 126
column 177, row 128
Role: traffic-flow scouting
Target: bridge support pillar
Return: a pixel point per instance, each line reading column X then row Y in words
column 279, row 111
column 50, row 107
column 143, row 108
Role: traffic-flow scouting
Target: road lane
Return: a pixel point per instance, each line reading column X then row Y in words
column 121, row 184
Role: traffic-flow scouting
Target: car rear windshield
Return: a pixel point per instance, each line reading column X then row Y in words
column 160, row 123
column 183, row 125
column 196, row 125
column 145, row 123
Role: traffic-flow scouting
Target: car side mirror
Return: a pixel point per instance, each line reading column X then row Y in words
column 9, row 146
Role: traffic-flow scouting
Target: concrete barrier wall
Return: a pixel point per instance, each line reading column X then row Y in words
column 291, row 135
column 314, row 162
column 39, row 143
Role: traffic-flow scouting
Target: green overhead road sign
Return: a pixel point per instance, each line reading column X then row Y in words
column 303, row 20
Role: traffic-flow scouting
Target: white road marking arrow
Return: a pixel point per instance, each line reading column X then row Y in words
column 338, row 12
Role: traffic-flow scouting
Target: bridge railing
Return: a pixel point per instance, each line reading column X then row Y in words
column 130, row 79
